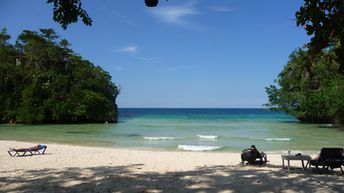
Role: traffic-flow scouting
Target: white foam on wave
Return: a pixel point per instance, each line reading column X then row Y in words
column 159, row 138
column 278, row 139
column 207, row 136
column 198, row 147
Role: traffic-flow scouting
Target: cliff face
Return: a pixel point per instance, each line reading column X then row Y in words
column 116, row 114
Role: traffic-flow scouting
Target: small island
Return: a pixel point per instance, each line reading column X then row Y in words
column 42, row 80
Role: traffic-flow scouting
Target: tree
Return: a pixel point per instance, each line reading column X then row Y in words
column 69, row 11
column 44, row 81
column 324, row 20
column 4, row 37
column 310, row 88
column 9, row 77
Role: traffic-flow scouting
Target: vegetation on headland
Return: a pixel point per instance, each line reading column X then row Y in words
column 43, row 81
column 311, row 86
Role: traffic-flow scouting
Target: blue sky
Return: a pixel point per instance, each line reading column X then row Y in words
column 196, row 53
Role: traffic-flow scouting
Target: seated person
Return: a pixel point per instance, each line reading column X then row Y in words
column 39, row 147
column 250, row 155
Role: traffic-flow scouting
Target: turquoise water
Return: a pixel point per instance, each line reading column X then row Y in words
column 188, row 130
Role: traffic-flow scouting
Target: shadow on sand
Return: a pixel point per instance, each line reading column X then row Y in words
column 128, row 179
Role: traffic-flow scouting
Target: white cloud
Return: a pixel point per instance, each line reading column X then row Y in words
column 221, row 9
column 129, row 49
column 175, row 14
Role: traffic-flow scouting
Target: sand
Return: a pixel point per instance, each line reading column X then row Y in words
column 67, row 168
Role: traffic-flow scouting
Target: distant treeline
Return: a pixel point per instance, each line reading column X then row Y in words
column 43, row 81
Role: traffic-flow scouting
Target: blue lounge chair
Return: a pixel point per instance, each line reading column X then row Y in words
column 35, row 150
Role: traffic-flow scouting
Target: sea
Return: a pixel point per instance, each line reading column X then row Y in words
column 186, row 129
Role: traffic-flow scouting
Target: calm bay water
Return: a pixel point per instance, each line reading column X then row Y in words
column 188, row 130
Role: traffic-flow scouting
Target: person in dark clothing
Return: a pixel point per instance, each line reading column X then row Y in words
column 250, row 155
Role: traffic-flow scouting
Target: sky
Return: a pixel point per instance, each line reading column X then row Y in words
column 180, row 54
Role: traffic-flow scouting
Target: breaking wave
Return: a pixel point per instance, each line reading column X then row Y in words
column 207, row 136
column 159, row 138
column 278, row 139
column 198, row 147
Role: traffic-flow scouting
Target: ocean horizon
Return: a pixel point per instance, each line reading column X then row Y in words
column 188, row 129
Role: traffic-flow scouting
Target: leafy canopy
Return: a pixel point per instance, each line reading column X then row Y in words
column 311, row 85
column 68, row 11
column 309, row 88
column 324, row 21
column 43, row 81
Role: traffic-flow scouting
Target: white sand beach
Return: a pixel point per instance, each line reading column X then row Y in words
column 67, row 168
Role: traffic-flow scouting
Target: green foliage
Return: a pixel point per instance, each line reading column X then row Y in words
column 43, row 81
column 324, row 20
column 311, row 85
column 4, row 37
column 310, row 88
column 68, row 11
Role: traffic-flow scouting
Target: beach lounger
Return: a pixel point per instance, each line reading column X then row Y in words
column 251, row 156
column 329, row 158
column 36, row 150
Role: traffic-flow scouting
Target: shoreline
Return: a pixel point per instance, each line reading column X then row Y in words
column 220, row 150
column 70, row 168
